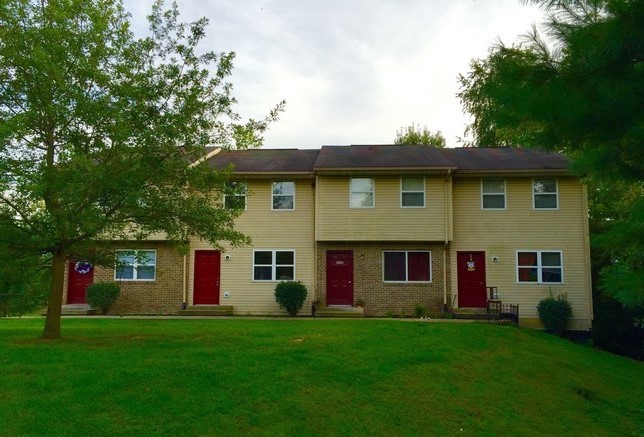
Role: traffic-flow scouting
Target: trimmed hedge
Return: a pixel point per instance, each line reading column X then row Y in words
column 291, row 295
column 102, row 295
column 554, row 313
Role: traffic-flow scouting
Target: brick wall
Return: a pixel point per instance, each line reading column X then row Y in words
column 161, row 296
column 383, row 298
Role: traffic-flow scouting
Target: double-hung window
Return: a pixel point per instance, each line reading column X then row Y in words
column 492, row 193
column 273, row 265
column 539, row 267
column 407, row 266
column 412, row 192
column 135, row 265
column 362, row 193
column 235, row 197
column 545, row 194
column 283, row 197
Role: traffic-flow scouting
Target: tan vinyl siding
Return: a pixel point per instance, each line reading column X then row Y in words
column 269, row 230
column 386, row 221
column 502, row 233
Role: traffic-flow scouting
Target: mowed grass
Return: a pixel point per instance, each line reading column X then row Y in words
column 309, row 377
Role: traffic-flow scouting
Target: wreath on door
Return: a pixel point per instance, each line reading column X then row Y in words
column 83, row 267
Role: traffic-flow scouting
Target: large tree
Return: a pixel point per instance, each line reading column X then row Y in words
column 416, row 135
column 577, row 87
column 98, row 128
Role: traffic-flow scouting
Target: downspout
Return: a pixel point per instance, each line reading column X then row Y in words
column 184, row 305
column 446, row 224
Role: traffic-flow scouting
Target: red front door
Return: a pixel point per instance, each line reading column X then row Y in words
column 339, row 277
column 78, row 278
column 472, row 291
column 207, row 269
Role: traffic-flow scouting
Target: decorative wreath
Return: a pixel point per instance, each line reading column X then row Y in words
column 83, row 267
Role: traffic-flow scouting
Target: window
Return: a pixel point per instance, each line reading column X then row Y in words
column 273, row 265
column 361, row 193
column 539, row 267
column 407, row 266
column 235, row 197
column 135, row 265
column 493, row 193
column 283, row 196
column 544, row 194
column 412, row 192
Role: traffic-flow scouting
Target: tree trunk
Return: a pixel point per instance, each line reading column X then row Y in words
column 54, row 305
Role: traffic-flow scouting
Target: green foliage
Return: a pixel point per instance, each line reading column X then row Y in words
column 291, row 295
column 554, row 313
column 420, row 311
column 98, row 128
column 23, row 283
column 102, row 295
column 416, row 135
column 578, row 91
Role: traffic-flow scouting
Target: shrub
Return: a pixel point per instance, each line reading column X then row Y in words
column 102, row 295
column 554, row 313
column 420, row 311
column 291, row 295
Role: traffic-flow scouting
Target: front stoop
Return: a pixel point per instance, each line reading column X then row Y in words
column 470, row 313
column 207, row 310
column 75, row 309
column 340, row 311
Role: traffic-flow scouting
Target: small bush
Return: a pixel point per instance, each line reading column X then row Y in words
column 102, row 295
column 420, row 311
column 291, row 295
column 554, row 313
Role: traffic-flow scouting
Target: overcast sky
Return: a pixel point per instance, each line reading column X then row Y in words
column 352, row 71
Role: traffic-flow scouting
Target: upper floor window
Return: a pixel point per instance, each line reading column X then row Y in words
column 412, row 192
column 273, row 265
column 407, row 266
column 362, row 193
column 544, row 194
column 493, row 193
column 540, row 267
column 135, row 265
column 235, row 197
column 283, row 196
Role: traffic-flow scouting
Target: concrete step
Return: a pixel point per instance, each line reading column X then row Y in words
column 207, row 310
column 340, row 311
column 470, row 313
column 76, row 309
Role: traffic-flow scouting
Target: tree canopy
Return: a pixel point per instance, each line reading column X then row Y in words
column 416, row 135
column 577, row 87
column 98, row 129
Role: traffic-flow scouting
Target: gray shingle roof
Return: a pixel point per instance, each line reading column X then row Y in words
column 388, row 157
column 266, row 160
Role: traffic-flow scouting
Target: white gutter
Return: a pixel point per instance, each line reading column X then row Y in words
column 446, row 224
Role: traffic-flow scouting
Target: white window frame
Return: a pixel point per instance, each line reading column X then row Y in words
column 245, row 195
column 535, row 194
column 273, row 195
column 372, row 192
column 539, row 267
column 136, row 265
column 407, row 281
column 504, row 193
column 402, row 192
column 273, row 265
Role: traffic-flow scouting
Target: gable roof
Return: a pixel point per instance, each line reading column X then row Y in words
column 505, row 158
column 389, row 158
column 381, row 157
column 258, row 161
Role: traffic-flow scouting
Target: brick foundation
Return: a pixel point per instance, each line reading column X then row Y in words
column 381, row 298
column 161, row 296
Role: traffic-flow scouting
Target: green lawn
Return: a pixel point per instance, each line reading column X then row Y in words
column 309, row 377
